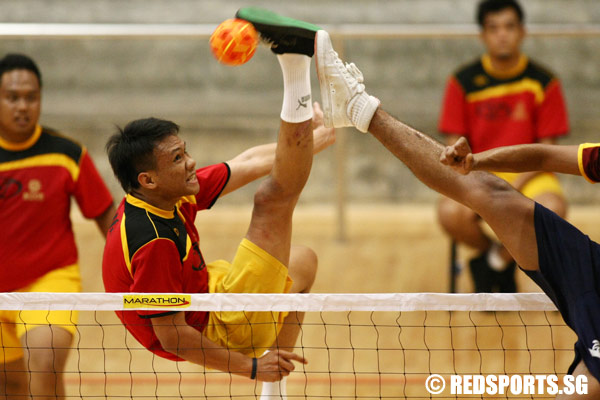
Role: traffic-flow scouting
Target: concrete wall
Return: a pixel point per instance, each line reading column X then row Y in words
column 92, row 84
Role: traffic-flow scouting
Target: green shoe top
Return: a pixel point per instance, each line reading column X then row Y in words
column 284, row 34
column 261, row 16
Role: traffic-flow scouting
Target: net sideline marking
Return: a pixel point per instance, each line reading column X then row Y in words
column 312, row 302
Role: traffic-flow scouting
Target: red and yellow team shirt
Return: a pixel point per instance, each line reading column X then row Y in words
column 37, row 180
column 589, row 161
column 149, row 250
column 493, row 109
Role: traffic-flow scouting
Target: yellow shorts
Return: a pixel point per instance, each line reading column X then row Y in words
column 544, row 182
column 253, row 270
column 14, row 323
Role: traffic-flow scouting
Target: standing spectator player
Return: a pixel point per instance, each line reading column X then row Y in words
column 503, row 98
column 40, row 170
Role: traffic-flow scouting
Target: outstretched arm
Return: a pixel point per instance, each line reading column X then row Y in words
column 178, row 338
column 519, row 158
column 257, row 162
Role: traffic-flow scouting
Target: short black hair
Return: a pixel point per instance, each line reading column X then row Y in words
column 490, row 6
column 131, row 150
column 13, row 61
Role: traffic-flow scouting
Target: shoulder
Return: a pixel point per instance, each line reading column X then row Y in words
column 142, row 228
column 539, row 73
column 214, row 172
column 467, row 72
column 52, row 141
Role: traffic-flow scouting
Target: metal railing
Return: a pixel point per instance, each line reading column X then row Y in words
column 195, row 31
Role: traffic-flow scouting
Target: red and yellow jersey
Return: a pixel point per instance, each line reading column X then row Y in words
column 493, row 109
column 37, row 180
column 589, row 161
column 149, row 250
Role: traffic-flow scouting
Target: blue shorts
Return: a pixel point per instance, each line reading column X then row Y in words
column 570, row 275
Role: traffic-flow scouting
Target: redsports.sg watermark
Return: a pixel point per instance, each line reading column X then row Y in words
column 508, row 384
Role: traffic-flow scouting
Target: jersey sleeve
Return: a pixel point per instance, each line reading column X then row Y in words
column 212, row 180
column 156, row 268
column 453, row 119
column 589, row 161
column 551, row 116
column 91, row 193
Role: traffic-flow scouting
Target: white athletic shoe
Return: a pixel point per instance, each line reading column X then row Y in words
column 343, row 96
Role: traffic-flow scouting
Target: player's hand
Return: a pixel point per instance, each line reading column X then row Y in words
column 458, row 156
column 323, row 137
column 276, row 364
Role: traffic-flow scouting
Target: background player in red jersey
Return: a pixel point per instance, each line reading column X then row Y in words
column 503, row 98
column 40, row 171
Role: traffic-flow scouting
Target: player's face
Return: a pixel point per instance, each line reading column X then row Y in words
column 20, row 104
column 175, row 171
column 503, row 33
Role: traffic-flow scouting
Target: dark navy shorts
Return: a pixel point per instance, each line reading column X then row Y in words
column 570, row 275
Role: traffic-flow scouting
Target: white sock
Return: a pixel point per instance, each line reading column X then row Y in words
column 297, row 104
column 363, row 109
column 274, row 390
column 495, row 260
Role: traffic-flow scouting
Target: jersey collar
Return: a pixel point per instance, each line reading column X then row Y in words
column 486, row 61
column 20, row 146
column 134, row 201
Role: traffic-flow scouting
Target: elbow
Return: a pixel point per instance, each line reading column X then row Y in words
column 181, row 342
column 169, row 341
column 173, row 340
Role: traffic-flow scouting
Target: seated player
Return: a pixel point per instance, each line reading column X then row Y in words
column 153, row 245
column 561, row 259
column 502, row 98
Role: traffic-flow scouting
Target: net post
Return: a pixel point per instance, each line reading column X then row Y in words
column 341, row 155
column 454, row 267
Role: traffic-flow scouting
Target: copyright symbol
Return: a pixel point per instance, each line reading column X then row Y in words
column 435, row 384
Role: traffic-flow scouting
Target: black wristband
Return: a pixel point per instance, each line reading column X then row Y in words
column 254, row 365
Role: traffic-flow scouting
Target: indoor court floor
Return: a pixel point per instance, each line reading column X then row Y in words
column 388, row 248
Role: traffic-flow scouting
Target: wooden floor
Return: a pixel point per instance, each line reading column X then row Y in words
column 388, row 248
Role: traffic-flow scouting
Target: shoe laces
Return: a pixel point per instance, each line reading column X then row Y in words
column 351, row 74
column 355, row 72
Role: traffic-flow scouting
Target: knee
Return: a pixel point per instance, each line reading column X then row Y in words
column 47, row 348
column 43, row 360
column 303, row 268
column 488, row 190
column 270, row 195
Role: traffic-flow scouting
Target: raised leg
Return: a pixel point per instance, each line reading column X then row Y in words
column 509, row 213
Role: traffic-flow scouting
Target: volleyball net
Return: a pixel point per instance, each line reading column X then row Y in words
column 358, row 346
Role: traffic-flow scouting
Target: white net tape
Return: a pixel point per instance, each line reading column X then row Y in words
column 281, row 302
